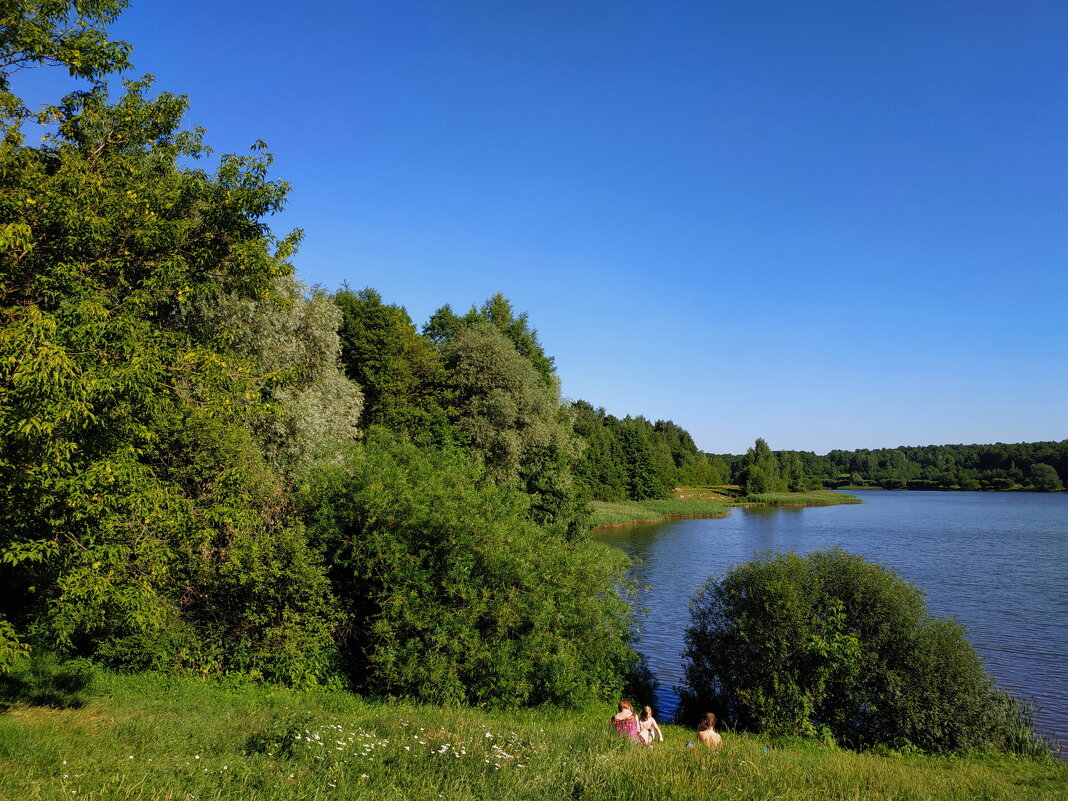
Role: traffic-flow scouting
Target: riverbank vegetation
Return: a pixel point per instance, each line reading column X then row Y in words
column 209, row 469
column 705, row 502
column 621, row 513
column 157, row 737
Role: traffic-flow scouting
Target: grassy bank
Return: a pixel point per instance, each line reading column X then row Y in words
column 146, row 737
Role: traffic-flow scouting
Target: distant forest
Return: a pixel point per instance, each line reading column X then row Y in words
column 633, row 458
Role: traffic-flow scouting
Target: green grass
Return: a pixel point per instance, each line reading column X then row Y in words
column 148, row 737
column 813, row 498
column 621, row 513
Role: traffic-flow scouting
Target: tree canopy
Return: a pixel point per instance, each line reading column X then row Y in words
column 400, row 371
column 141, row 407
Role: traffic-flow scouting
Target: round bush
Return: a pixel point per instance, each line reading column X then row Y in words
column 833, row 646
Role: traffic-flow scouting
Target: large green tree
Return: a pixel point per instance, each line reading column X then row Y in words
column 513, row 422
column 760, row 470
column 289, row 336
column 444, row 324
column 140, row 520
column 401, row 372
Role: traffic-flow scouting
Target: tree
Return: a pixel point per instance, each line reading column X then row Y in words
column 401, row 373
column 512, row 421
column 1045, row 478
column 599, row 470
column 444, row 325
column 291, row 338
column 643, row 479
column 760, row 470
column 792, row 471
column 139, row 519
column 831, row 645
column 502, row 408
column 66, row 33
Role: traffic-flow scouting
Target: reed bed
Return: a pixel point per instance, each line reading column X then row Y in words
column 621, row 513
column 813, row 498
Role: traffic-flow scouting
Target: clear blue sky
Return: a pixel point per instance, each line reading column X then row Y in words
column 830, row 224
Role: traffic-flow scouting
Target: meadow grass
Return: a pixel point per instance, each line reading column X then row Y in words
column 152, row 737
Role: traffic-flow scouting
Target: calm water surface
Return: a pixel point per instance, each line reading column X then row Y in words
column 996, row 561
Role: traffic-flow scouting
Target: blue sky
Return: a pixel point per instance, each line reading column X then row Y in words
column 829, row 224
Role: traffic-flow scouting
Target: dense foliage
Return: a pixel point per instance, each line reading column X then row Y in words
column 833, row 646
column 452, row 593
column 166, row 383
column 140, row 519
column 206, row 468
column 971, row 467
column 401, row 372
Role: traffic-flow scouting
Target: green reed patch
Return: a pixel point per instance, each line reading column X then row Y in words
column 618, row 513
column 812, row 498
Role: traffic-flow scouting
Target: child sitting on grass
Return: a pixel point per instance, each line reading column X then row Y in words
column 647, row 726
column 626, row 722
column 706, row 732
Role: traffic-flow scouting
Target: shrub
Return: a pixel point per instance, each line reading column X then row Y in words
column 452, row 594
column 833, row 646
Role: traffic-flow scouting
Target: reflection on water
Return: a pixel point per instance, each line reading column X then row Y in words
column 996, row 561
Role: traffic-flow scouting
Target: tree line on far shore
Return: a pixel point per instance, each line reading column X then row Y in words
column 635, row 459
column 1034, row 466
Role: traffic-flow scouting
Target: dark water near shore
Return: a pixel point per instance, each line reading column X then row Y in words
column 998, row 562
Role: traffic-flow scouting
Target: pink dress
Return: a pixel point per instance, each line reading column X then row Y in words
column 627, row 726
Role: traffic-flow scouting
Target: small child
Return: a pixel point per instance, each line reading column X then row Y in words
column 647, row 726
column 706, row 732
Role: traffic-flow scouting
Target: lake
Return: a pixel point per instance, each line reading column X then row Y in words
column 998, row 562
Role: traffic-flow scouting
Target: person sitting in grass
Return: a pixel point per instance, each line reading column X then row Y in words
column 647, row 727
column 626, row 722
column 706, row 731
